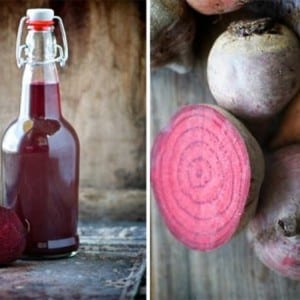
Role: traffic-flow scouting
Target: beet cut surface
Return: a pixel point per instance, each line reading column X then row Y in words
column 200, row 175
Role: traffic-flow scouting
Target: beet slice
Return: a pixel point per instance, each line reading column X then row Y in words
column 206, row 172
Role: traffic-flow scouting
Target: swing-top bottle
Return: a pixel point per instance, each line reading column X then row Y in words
column 40, row 149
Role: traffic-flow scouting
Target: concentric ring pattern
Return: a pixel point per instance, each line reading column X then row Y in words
column 200, row 175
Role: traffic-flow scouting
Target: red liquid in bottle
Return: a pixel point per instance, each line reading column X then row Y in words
column 40, row 157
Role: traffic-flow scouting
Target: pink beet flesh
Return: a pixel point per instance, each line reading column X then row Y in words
column 12, row 236
column 200, row 175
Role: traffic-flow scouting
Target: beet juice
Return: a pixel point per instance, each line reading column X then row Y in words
column 40, row 150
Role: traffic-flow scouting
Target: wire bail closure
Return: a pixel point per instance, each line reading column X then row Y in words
column 63, row 52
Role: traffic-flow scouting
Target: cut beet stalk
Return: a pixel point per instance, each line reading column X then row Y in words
column 206, row 172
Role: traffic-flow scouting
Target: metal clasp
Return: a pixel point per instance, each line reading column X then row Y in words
column 63, row 52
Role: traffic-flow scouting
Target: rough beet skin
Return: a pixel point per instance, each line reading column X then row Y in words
column 12, row 236
column 274, row 232
column 253, row 68
column 213, row 7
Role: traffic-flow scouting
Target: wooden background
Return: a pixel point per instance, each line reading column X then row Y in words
column 232, row 272
column 102, row 87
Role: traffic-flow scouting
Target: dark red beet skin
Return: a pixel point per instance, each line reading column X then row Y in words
column 12, row 236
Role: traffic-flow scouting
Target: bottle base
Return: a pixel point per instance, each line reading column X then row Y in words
column 48, row 256
column 52, row 249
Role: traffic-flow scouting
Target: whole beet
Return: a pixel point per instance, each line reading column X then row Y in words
column 288, row 11
column 288, row 131
column 274, row 232
column 12, row 236
column 213, row 7
column 172, row 33
column 254, row 68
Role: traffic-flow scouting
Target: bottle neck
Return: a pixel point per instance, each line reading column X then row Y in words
column 40, row 86
column 40, row 45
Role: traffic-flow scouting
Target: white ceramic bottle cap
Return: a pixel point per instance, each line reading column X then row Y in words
column 40, row 14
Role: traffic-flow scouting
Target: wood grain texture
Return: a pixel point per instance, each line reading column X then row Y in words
column 109, row 265
column 109, row 205
column 233, row 271
column 102, row 85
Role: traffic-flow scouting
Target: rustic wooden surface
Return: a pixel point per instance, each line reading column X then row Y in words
column 112, row 205
column 232, row 272
column 102, row 85
column 109, row 265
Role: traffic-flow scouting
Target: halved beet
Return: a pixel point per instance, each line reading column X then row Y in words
column 206, row 172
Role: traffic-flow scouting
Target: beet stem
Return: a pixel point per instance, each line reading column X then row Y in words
column 249, row 27
column 288, row 226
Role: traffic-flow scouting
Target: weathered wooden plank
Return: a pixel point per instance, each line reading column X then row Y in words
column 232, row 272
column 108, row 205
column 109, row 265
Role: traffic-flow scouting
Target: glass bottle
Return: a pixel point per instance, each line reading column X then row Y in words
column 40, row 149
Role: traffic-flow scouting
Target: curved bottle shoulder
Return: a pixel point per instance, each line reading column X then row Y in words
column 28, row 135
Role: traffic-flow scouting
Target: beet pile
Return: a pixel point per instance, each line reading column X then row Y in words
column 208, row 164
